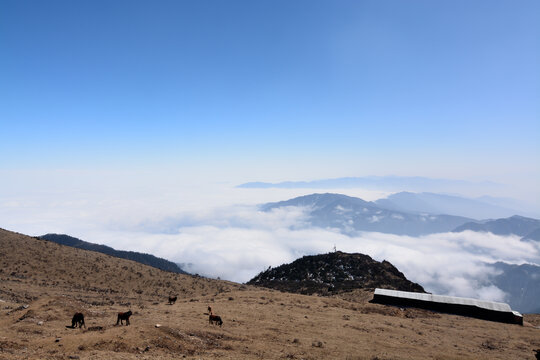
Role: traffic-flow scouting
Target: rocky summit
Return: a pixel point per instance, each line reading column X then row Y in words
column 333, row 273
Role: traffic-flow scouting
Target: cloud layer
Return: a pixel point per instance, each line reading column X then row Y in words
column 237, row 242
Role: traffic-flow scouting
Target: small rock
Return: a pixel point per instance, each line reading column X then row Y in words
column 57, row 339
column 158, row 325
column 40, row 323
column 73, row 357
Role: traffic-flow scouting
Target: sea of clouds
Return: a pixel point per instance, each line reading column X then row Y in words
column 237, row 242
column 211, row 235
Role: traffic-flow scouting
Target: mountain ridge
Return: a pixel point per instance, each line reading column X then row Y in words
column 514, row 225
column 351, row 215
column 399, row 183
column 444, row 204
column 521, row 283
column 147, row 259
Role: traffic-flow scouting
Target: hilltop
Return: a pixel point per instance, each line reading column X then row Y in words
column 334, row 273
column 42, row 284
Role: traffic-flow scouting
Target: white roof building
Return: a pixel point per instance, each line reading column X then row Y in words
column 487, row 310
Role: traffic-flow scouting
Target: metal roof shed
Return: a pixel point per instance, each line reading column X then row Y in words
column 487, row 310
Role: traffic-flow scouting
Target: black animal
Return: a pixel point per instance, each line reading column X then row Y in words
column 123, row 316
column 215, row 319
column 537, row 351
column 78, row 319
column 172, row 299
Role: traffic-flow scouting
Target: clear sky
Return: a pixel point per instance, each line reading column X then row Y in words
column 271, row 90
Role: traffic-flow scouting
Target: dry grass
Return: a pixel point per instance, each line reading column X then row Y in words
column 57, row 281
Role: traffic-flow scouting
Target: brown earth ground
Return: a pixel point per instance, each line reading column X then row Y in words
column 43, row 284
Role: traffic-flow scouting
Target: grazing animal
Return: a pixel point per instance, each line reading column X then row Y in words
column 123, row 316
column 78, row 319
column 172, row 299
column 215, row 319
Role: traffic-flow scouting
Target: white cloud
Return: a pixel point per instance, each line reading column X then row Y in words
column 236, row 242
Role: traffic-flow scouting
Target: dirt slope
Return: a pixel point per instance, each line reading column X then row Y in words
column 43, row 284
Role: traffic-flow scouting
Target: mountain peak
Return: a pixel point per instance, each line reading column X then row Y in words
column 333, row 273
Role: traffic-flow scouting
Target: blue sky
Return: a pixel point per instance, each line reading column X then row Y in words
column 272, row 90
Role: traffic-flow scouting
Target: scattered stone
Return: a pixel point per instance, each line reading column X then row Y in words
column 28, row 314
column 40, row 323
column 488, row 344
column 73, row 357
column 318, row 344
column 158, row 325
column 57, row 339
column 22, row 307
column 296, row 341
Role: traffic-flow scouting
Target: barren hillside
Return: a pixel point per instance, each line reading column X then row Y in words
column 43, row 284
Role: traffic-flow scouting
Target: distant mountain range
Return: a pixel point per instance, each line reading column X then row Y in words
column 390, row 183
column 527, row 228
column 445, row 204
column 350, row 215
column 406, row 214
column 521, row 283
column 334, row 273
column 146, row 259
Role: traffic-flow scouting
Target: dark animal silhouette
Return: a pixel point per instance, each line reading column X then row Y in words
column 123, row 316
column 214, row 318
column 172, row 299
column 78, row 319
column 537, row 351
